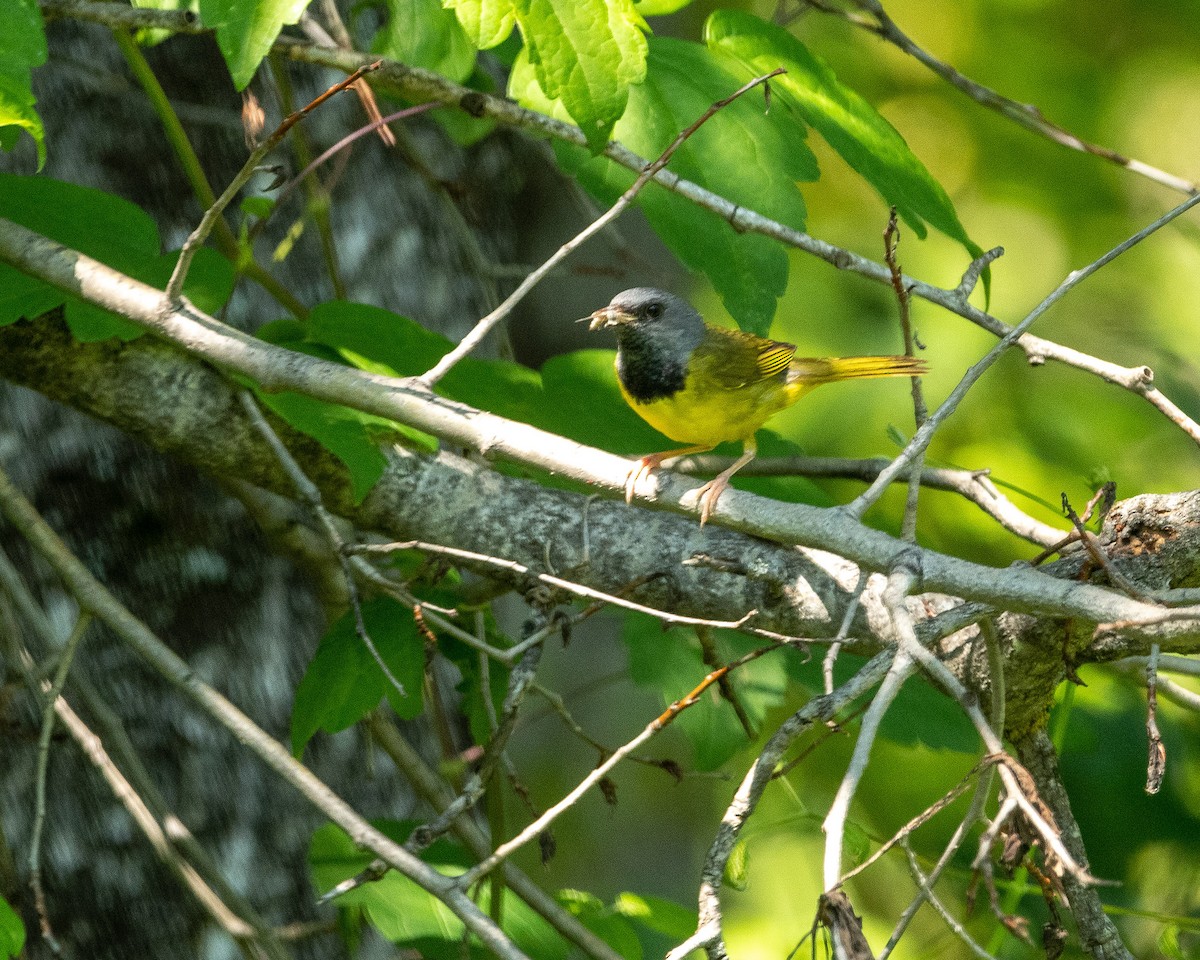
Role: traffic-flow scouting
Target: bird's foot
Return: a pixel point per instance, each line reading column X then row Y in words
column 708, row 495
column 646, row 466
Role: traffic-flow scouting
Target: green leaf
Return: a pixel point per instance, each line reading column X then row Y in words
column 671, row 663
column 246, row 29
column 662, row 916
column 857, row 131
column 109, row 229
column 737, row 867
column 350, row 435
column 149, row 37
column 343, row 683
column 487, row 22
column 12, row 931
column 923, row 715
column 752, row 158
column 585, row 53
column 655, row 8
column 405, row 914
column 607, row 923
column 422, row 33
column 23, row 49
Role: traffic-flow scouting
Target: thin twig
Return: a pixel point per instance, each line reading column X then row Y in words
column 1026, row 115
column 485, row 325
column 891, row 240
column 923, row 883
column 1156, row 765
column 973, row 485
column 834, row 824
column 197, row 237
column 925, row 432
column 312, row 499
column 530, row 832
column 52, row 694
column 519, row 569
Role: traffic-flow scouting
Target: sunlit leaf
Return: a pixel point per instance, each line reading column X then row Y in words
column 12, row 931
column 752, row 158
column 854, row 128
column 423, row 33
column 246, row 29
column 585, row 53
column 22, row 49
column 487, row 22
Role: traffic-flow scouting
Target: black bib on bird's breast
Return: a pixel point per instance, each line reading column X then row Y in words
column 649, row 370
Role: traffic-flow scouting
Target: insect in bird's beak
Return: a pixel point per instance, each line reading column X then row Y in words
column 606, row 317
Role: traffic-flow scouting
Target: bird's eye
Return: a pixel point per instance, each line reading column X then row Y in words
column 654, row 310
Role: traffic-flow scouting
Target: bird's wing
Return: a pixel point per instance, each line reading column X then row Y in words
column 735, row 358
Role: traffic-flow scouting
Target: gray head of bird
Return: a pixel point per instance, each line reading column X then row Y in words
column 650, row 314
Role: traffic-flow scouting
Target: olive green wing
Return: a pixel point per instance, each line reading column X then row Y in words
column 733, row 358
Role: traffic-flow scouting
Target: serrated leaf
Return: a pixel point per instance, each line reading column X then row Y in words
column 487, row 23
column 855, row 129
column 752, row 158
column 12, row 931
column 343, row 683
column 23, row 49
column 246, row 29
column 585, row 53
column 423, row 33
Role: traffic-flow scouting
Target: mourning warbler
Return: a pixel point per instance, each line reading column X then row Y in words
column 702, row 385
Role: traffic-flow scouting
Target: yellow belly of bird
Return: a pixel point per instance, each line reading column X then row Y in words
column 710, row 415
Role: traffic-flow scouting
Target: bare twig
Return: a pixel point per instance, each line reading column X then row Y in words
column 197, row 237
column 924, row 434
column 973, row 485
column 891, row 240
column 834, row 824
column 530, row 832
column 925, row 886
column 1156, row 766
column 312, row 498
column 520, row 570
column 484, row 326
column 1024, row 114
column 94, row 598
column 52, row 693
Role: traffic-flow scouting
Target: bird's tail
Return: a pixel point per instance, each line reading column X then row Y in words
column 812, row 372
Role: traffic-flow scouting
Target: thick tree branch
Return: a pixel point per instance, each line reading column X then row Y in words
column 185, row 407
column 275, row 368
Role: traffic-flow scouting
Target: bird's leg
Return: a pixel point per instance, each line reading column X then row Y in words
column 648, row 464
column 711, row 491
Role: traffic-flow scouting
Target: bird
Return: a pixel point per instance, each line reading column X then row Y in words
column 702, row 385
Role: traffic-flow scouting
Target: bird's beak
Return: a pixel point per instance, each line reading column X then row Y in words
column 609, row 316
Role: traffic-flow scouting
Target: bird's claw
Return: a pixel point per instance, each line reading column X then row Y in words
column 708, row 495
column 645, row 467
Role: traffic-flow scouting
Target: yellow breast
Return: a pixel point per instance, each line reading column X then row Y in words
column 707, row 413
